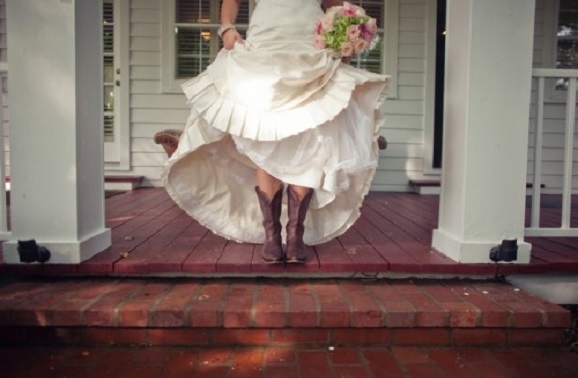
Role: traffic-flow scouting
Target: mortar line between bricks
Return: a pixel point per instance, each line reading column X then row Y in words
column 15, row 309
column 50, row 310
column 225, row 299
column 371, row 294
column 96, row 299
column 468, row 363
column 495, row 360
column 399, row 363
column 412, row 306
column 542, row 312
column 189, row 306
column 151, row 318
column 286, row 305
column 368, row 292
column 350, row 307
column 254, row 300
column 476, row 310
column 447, row 315
column 316, row 302
column 508, row 310
column 363, row 361
column 116, row 310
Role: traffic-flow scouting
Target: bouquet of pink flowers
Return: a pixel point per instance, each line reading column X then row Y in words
column 346, row 29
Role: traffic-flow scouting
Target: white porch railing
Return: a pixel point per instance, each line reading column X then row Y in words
column 542, row 76
column 4, row 231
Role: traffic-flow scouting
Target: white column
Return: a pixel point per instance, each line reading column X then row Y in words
column 56, row 137
column 487, row 98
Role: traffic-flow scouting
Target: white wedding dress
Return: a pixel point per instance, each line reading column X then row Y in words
column 277, row 102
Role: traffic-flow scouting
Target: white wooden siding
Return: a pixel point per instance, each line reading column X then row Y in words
column 151, row 110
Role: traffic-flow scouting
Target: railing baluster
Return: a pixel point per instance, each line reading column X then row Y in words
column 568, row 152
column 538, row 133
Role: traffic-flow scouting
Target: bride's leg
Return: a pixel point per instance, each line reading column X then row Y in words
column 298, row 198
column 270, row 193
column 267, row 183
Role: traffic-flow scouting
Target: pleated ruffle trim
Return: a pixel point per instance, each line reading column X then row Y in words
column 271, row 125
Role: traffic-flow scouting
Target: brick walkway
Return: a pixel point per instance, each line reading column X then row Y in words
column 223, row 362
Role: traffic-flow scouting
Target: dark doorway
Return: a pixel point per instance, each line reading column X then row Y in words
column 439, row 84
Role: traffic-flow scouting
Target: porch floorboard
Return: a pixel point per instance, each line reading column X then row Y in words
column 152, row 236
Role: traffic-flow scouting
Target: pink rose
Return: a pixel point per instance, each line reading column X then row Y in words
column 359, row 46
column 371, row 25
column 353, row 32
column 359, row 11
column 347, row 49
column 349, row 9
column 327, row 22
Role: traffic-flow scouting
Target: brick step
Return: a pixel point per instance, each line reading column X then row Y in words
column 276, row 312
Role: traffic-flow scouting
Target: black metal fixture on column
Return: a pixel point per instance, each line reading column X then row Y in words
column 507, row 251
column 30, row 252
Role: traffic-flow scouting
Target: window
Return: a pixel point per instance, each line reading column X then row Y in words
column 190, row 40
column 196, row 41
column 108, row 69
column 566, row 39
column 372, row 60
column 563, row 51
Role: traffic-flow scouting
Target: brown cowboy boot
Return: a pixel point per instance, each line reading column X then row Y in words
column 297, row 209
column 272, row 251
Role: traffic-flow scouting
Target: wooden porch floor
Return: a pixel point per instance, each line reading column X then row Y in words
column 152, row 236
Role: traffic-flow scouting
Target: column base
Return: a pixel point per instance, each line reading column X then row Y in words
column 473, row 252
column 73, row 252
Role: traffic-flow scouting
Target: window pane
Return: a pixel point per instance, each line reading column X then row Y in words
column 109, row 128
column 193, row 51
column 568, row 18
column 108, row 98
column 243, row 15
column 107, row 12
column 108, row 69
column 567, row 56
column 374, row 8
column 371, row 60
column 108, row 37
column 192, row 66
column 196, row 11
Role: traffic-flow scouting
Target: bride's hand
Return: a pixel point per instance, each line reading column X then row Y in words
column 230, row 37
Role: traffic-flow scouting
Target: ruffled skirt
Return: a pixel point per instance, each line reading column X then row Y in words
column 278, row 103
